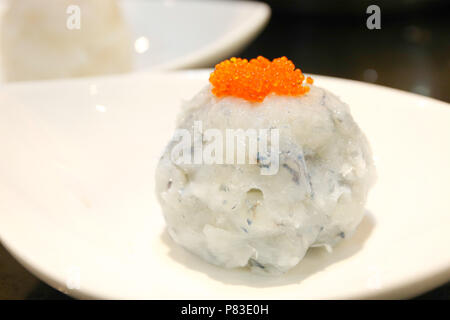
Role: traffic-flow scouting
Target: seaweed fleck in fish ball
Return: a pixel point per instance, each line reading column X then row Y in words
column 306, row 188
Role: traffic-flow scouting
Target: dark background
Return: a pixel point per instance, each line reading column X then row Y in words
column 411, row 52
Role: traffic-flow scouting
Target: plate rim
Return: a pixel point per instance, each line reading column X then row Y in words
column 231, row 41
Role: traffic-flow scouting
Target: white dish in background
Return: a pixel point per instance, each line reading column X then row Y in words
column 180, row 34
column 77, row 205
column 189, row 33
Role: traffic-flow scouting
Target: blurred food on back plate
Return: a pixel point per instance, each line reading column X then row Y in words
column 47, row 39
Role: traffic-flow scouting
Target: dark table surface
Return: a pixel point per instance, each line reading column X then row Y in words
column 411, row 52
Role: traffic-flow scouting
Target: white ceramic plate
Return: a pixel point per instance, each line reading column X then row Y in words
column 189, row 33
column 177, row 34
column 77, row 205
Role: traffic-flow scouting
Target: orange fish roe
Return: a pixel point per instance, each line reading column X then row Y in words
column 255, row 79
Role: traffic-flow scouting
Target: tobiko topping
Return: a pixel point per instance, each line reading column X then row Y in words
column 255, row 79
